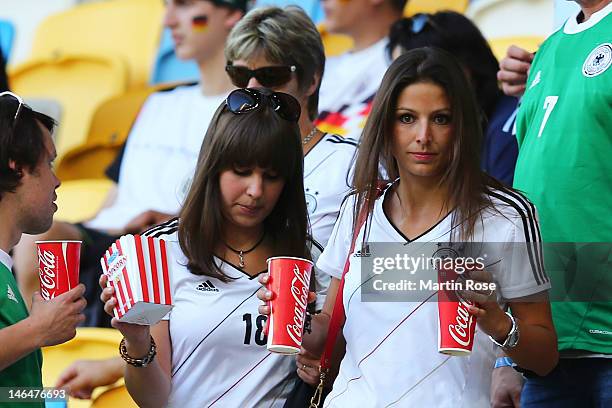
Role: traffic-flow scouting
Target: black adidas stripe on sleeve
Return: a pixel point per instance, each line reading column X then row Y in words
column 342, row 140
column 166, row 228
column 526, row 211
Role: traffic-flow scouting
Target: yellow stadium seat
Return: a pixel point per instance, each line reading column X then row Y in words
column 26, row 16
column 430, row 6
column 130, row 29
column 114, row 398
column 334, row 44
column 80, row 200
column 509, row 18
column 500, row 45
column 79, row 82
column 110, row 126
column 89, row 343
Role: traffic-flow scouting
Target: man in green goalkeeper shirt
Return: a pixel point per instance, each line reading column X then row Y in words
column 27, row 192
column 564, row 131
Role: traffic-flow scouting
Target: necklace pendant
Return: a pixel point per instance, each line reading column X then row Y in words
column 241, row 259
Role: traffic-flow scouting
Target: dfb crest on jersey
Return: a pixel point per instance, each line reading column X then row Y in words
column 598, row 60
column 311, row 201
column 448, row 250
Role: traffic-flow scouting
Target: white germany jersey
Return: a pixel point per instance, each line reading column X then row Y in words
column 327, row 177
column 348, row 88
column 392, row 356
column 219, row 355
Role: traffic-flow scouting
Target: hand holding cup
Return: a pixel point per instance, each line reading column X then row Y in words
column 482, row 292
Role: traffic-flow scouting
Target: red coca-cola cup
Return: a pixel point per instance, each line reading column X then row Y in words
column 289, row 283
column 456, row 325
column 58, row 266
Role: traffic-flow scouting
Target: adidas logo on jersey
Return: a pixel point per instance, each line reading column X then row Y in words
column 536, row 80
column 207, row 286
column 364, row 252
column 10, row 294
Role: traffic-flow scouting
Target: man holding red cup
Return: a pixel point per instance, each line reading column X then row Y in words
column 27, row 192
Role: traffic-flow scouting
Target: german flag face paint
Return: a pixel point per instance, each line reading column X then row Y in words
column 199, row 24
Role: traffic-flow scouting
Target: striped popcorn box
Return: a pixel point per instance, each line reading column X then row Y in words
column 137, row 269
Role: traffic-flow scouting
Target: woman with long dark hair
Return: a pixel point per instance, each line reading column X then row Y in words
column 424, row 130
column 458, row 35
column 245, row 204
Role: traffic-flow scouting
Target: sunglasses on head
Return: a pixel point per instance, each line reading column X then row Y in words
column 269, row 77
column 248, row 100
column 18, row 98
column 420, row 20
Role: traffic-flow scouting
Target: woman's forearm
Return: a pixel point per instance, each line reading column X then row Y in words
column 537, row 348
column 149, row 386
column 314, row 341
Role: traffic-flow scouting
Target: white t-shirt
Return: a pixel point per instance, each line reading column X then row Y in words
column 407, row 370
column 219, row 351
column 348, row 87
column 160, row 155
column 327, row 178
column 6, row 260
column 328, row 170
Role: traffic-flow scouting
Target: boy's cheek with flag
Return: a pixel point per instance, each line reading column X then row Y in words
column 199, row 24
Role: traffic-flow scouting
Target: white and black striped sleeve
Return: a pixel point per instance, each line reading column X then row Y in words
column 523, row 271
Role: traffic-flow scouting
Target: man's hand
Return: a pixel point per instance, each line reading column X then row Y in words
column 514, row 69
column 56, row 319
column 146, row 220
column 83, row 376
column 506, row 386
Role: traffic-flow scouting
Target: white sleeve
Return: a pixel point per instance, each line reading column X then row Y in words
column 522, row 269
column 333, row 258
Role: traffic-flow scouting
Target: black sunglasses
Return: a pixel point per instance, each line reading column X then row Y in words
column 269, row 77
column 249, row 99
column 420, row 20
column 18, row 98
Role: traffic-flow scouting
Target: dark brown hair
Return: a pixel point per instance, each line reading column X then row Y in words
column 457, row 34
column 21, row 141
column 258, row 138
column 468, row 185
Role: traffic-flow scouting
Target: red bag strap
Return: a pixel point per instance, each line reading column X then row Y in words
column 337, row 316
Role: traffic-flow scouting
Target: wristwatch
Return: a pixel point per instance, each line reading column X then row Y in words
column 513, row 336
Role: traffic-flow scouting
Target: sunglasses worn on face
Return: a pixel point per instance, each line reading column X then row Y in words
column 18, row 98
column 268, row 77
column 248, row 100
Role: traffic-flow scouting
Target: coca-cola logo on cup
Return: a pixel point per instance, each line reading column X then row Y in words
column 47, row 270
column 460, row 332
column 299, row 293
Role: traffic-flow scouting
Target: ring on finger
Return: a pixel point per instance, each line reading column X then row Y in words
column 304, row 367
